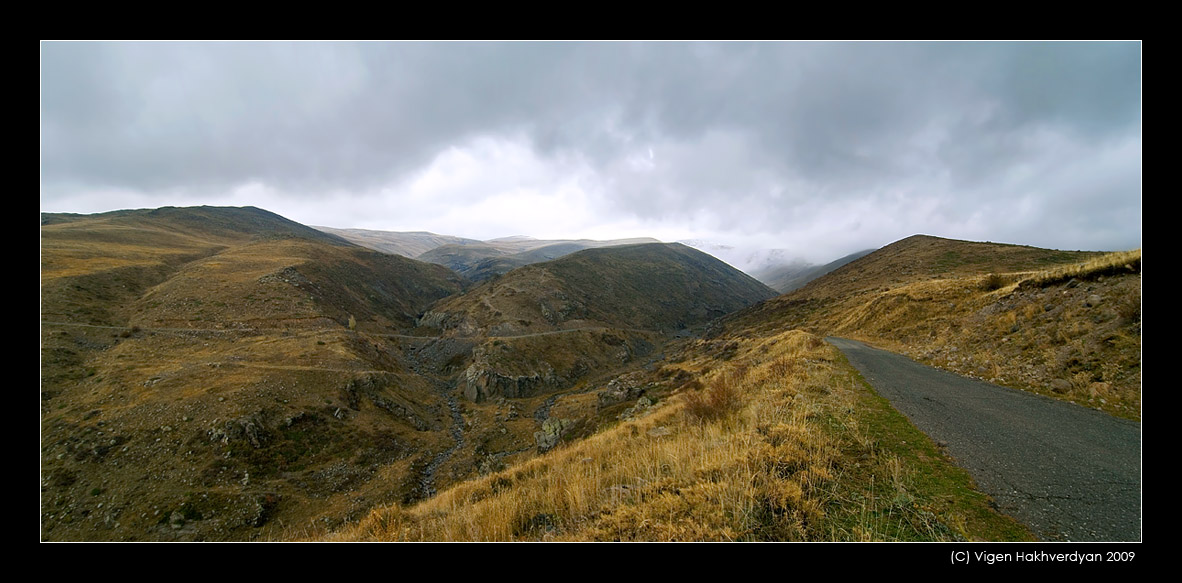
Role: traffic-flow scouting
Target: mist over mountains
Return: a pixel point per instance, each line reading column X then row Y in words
column 481, row 260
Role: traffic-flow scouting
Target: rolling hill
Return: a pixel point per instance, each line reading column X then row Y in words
column 407, row 244
column 475, row 260
column 200, row 378
column 761, row 431
column 988, row 310
column 556, row 323
column 227, row 374
column 656, row 286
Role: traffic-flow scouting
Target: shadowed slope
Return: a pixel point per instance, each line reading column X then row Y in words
column 665, row 287
column 200, row 379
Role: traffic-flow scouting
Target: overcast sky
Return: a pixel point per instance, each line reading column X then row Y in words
column 817, row 148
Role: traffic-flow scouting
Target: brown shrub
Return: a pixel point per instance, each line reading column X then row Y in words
column 715, row 402
column 993, row 282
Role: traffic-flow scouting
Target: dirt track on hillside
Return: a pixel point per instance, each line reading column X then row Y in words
column 1068, row 472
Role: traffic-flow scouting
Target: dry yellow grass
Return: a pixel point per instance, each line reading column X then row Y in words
column 787, row 461
column 162, row 329
column 1071, row 332
column 1107, row 264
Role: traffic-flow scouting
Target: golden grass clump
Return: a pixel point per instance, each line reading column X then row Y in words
column 1108, row 264
column 715, row 402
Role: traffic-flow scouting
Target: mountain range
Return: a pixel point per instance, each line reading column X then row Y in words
column 481, row 260
column 206, row 371
column 228, row 374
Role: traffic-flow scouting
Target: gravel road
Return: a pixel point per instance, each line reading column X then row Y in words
column 1068, row 472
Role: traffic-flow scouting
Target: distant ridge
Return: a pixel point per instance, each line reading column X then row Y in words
column 407, row 244
column 1065, row 324
column 653, row 286
column 793, row 276
column 208, row 222
column 482, row 260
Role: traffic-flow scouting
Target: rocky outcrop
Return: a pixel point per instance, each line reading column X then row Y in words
column 640, row 409
column 444, row 321
column 558, row 308
column 482, row 383
column 618, row 391
column 551, row 433
column 375, row 389
column 249, row 428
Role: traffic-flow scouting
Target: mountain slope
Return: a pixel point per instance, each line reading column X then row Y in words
column 556, row 324
column 763, row 432
column 660, row 287
column 465, row 259
column 206, row 372
column 793, row 276
column 988, row 310
column 217, row 374
column 481, row 261
column 407, row 244
column 256, row 381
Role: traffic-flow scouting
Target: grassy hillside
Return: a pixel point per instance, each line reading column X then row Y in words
column 763, row 432
column 665, row 287
column 1060, row 323
column 747, row 437
column 200, row 378
column 407, row 244
column 225, row 374
column 481, row 261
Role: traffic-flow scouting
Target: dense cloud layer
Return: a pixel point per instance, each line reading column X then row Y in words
column 819, row 148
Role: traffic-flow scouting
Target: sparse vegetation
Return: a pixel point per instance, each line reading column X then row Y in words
column 785, row 462
column 206, row 351
column 659, row 287
column 160, row 328
column 993, row 282
column 1120, row 263
column 1062, row 324
column 717, row 401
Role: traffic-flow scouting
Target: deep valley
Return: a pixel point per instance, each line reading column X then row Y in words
column 218, row 373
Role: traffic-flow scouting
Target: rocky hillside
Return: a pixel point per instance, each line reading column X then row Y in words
column 225, row 374
column 659, row 287
column 481, row 261
column 208, row 373
column 552, row 326
column 987, row 310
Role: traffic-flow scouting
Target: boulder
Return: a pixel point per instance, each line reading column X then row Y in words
column 551, row 433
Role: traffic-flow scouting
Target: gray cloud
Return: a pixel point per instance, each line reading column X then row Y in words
column 1036, row 143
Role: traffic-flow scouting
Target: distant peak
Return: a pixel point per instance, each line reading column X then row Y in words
column 512, row 238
